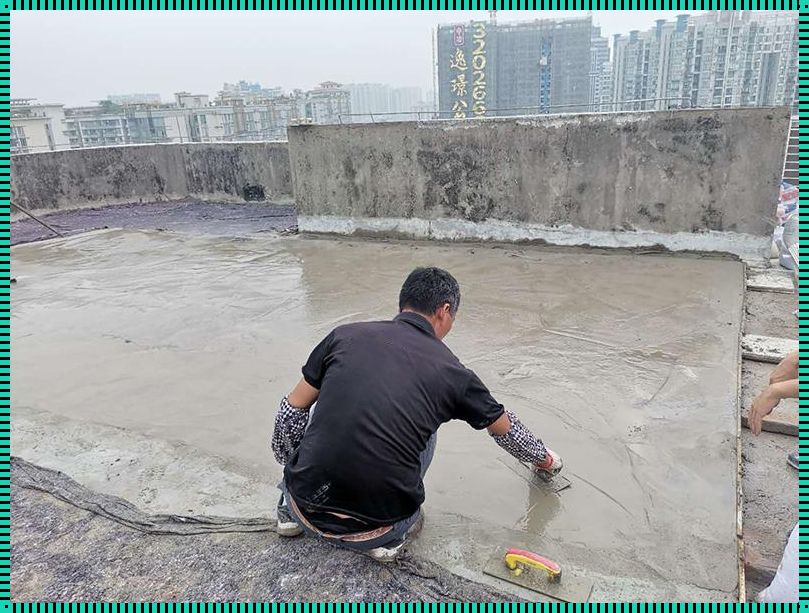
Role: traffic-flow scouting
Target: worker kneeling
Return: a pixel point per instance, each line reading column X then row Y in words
column 353, row 469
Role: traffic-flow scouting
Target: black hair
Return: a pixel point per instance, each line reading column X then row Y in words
column 426, row 289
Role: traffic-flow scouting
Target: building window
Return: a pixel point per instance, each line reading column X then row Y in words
column 19, row 143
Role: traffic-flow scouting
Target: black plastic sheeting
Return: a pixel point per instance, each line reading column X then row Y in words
column 201, row 217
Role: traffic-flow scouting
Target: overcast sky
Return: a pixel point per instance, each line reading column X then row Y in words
column 78, row 57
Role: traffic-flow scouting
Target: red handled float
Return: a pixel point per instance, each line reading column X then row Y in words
column 518, row 559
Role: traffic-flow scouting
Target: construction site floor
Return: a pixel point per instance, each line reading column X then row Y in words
column 102, row 429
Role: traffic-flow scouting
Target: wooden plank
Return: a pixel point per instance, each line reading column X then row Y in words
column 756, row 566
column 780, row 421
column 767, row 348
column 777, row 282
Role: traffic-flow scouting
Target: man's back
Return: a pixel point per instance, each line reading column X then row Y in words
column 385, row 388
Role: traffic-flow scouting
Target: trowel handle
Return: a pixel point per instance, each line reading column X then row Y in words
column 517, row 558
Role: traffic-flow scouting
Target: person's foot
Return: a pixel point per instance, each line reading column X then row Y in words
column 391, row 551
column 286, row 524
column 388, row 553
column 794, row 460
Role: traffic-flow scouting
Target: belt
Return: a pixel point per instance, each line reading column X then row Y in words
column 356, row 537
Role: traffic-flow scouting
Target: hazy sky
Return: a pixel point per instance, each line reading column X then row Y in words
column 78, row 57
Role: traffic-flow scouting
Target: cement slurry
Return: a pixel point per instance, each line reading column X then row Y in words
column 625, row 364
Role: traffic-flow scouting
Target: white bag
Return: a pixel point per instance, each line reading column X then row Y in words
column 784, row 587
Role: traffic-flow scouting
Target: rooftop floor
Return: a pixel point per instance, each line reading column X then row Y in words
column 178, row 346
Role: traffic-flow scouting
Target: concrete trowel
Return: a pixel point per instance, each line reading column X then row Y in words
column 541, row 480
column 554, row 484
column 539, row 574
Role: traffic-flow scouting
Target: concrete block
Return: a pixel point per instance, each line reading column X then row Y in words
column 767, row 348
column 780, row 421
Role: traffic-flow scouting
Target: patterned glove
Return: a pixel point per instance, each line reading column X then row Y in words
column 290, row 424
column 520, row 442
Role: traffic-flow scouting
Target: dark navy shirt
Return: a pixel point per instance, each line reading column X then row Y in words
column 385, row 388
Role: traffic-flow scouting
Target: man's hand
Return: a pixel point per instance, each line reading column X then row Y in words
column 552, row 465
column 767, row 400
column 762, row 406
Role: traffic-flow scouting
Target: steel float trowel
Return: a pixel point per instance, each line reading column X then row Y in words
column 538, row 479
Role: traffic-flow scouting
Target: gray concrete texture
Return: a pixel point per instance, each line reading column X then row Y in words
column 87, row 555
column 223, row 172
column 681, row 171
column 176, row 339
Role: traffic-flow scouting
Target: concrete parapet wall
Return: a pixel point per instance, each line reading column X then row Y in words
column 225, row 172
column 658, row 173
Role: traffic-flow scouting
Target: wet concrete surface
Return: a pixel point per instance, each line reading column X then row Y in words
column 189, row 216
column 193, row 339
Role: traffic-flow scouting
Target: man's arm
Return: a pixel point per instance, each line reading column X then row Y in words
column 303, row 396
column 293, row 413
column 291, row 420
column 513, row 436
column 767, row 400
column 786, row 370
column 480, row 410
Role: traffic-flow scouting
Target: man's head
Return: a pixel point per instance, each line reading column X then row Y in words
column 433, row 293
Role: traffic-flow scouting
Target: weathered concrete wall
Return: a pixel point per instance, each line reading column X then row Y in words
column 225, row 172
column 668, row 172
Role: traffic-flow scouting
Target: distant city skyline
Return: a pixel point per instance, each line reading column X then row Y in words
column 716, row 59
column 164, row 52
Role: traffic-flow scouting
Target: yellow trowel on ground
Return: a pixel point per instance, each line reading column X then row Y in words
column 538, row 573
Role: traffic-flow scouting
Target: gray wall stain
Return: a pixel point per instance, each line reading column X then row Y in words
column 229, row 172
column 680, row 171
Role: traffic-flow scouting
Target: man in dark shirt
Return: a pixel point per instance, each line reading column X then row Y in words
column 354, row 464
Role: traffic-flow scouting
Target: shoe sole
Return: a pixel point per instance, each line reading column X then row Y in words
column 387, row 557
column 392, row 555
column 288, row 529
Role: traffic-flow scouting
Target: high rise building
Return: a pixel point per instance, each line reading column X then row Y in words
column 641, row 66
column 486, row 68
column 369, row 98
column 405, row 100
column 37, row 127
column 249, row 91
column 123, row 99
column 717, row 59
column 328, row 103
column 381, row 102
column 91, row 126
column 600, row 72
